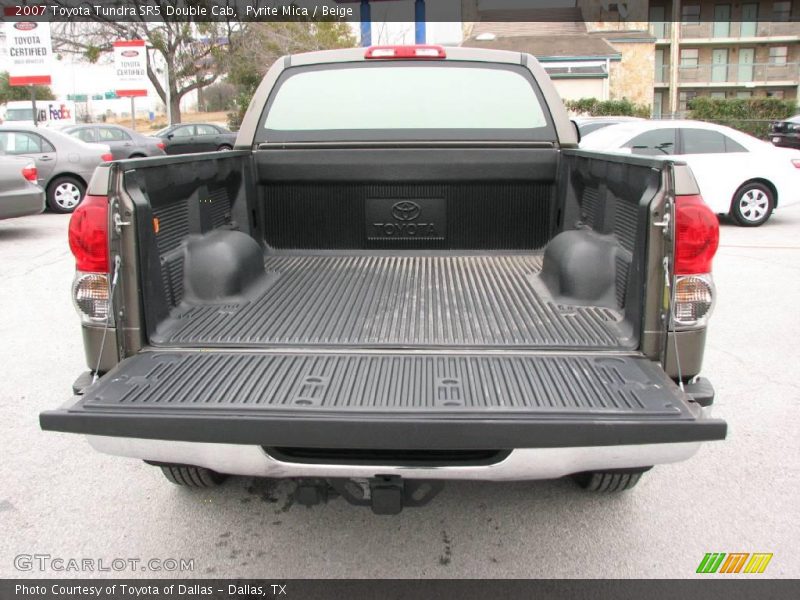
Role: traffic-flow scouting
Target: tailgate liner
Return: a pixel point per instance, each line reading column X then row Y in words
column 358, row 300
column 387, row 400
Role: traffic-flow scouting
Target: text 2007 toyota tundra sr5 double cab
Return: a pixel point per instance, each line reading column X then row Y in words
column 405, row 273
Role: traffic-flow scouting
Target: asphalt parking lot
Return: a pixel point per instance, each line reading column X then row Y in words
column 59, row 497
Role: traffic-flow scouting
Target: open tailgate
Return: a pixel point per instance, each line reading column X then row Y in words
column 388, row 400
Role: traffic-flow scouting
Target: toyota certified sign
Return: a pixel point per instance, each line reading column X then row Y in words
column 30, row 53
column 130, row 66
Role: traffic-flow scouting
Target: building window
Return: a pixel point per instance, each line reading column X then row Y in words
column 658, row 104
column 744, row 95
column 778, row 55
column 684, row 99
column 689, row 57
column 775, row 94
column 658, row 23
column 690, row 14
column 718, row 95
column 781, row 11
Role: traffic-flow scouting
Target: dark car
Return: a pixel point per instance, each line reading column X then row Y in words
column 786, row 133
column 124, row 142
column 196, row 137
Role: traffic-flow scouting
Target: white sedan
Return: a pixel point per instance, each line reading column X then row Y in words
column 738, row 175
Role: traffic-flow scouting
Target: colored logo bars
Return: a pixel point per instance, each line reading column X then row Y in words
column 734, row 562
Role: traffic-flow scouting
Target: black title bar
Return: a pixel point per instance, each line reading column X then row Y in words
column 623, row 14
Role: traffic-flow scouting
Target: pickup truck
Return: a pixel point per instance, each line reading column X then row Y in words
column 405, row 272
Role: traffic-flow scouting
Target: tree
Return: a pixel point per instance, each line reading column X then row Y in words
column 219, row 96
column 265, row 42
column 605, row 108
column 194, row 55
column 9, row 93
column 750, row 115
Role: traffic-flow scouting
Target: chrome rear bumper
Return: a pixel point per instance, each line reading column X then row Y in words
column 521, row 464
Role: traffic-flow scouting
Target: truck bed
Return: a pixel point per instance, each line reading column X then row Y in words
column 398, row 300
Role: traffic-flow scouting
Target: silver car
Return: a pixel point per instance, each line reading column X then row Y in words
column 124, row 142
column 20, row 195
column 65, row 164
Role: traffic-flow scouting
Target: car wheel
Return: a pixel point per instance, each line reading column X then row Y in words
column 609, row 481
column 224, row 148
column 136, row 156
column 193, row 477
column 752, row 204
column 64, row 194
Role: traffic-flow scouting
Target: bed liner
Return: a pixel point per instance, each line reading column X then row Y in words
column 400, row 300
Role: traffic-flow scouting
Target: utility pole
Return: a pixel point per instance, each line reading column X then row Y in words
column 133, row 114
column 33, row 104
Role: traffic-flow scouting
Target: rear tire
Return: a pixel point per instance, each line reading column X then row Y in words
column 192, row 477
column 609, row 481
column 64, row 194
column 224, row 148
column 752, row 204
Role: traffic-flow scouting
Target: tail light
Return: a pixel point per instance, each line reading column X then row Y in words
column 30, row 173
column 420, row 51
column 88, row 240
column 107, row 157
column 796, row 163
column 161, row 145
column 697, row 235
column 696, row 243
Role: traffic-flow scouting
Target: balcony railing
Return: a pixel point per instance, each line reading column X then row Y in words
column 661, row 29
column 710, row 74
column 744, row 29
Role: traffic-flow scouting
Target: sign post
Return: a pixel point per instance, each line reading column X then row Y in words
column 30, row 53
column 130, row 66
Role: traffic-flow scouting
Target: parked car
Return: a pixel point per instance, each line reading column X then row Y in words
column 20, row 195
column 786, row 133
column 187, row 138
column 738, row 175
column 124, row 142
column 477, row 300
column 65, row 164
column 587, row 125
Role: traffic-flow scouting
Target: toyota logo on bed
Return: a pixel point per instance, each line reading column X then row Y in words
column 405, row 211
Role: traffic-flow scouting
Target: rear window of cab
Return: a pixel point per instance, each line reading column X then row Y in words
column 406, row 101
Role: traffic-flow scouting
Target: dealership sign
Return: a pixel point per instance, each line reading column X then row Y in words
column 29, row 52
column 130, row 66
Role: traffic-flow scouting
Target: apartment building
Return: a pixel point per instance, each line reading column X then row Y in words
column 588, row 51
column 723, row 49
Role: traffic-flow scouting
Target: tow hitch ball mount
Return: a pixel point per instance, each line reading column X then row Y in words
column 385, row 494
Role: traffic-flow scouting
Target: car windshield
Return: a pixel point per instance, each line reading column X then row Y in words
column 19, row 114
column 606, row 137
column 162, row 132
